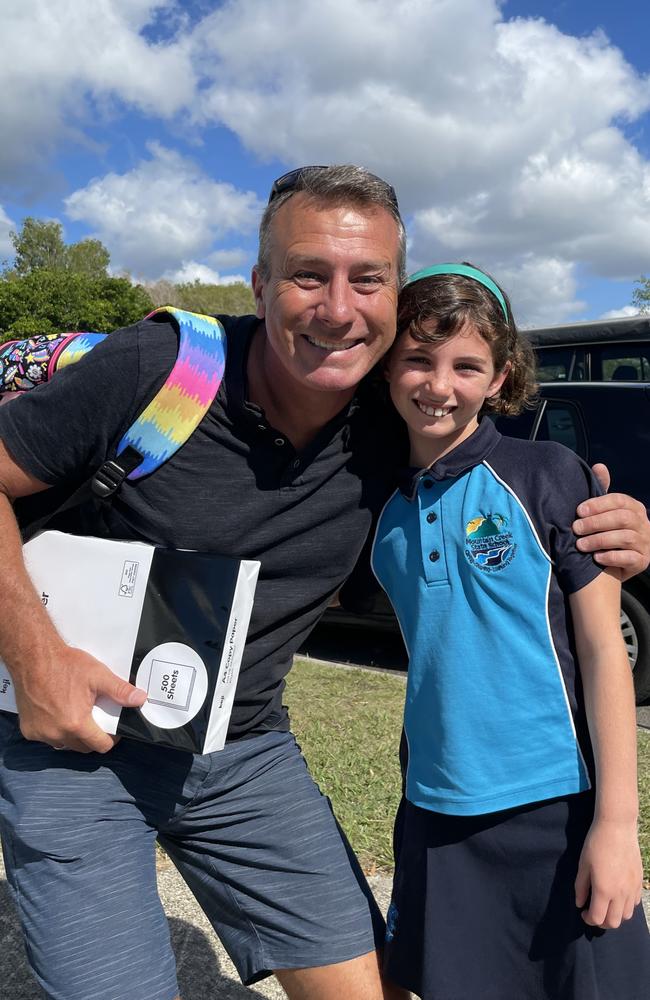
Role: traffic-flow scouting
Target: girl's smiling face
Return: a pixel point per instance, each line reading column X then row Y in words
column 439, row 389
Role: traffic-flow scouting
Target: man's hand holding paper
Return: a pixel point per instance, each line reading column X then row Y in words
column 55, row 685
column 56, row 695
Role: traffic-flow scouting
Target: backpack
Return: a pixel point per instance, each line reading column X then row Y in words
column 158, row 432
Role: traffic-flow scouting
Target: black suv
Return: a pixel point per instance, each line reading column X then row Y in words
column 594, row 397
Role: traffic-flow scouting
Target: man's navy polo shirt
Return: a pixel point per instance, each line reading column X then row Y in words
column 237, row 487
column 478, row 558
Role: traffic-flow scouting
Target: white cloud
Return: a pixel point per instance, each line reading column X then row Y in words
column 163, row 211
column 191, row 271
column 623, row 313
column 542, row 290
column 233, row 257
column 505, row 139
column 66, row 64
column 508, row 141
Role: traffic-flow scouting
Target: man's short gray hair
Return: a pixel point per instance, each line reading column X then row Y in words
column 335, row 185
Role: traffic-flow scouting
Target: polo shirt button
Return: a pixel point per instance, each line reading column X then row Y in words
column 296, row 464
column 427, row 483
column 279, row 442
column 261, row 427
column 431, row 517
column 434, row 556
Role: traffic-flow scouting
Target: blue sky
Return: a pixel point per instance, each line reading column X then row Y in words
column 517, row 134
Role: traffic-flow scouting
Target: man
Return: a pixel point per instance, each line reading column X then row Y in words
column 289, row 466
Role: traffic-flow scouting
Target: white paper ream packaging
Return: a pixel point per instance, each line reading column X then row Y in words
column 172, row 622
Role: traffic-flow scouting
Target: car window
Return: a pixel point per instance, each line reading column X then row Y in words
column 622, row 362
column 561, row 421
column 561, row 364
column 554, row 364
column 520, row 426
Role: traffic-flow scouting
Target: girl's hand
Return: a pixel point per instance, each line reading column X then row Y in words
column 610, row 869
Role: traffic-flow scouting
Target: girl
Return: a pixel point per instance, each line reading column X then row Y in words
column 518, row 871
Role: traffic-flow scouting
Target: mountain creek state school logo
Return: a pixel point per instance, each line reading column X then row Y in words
column 488, row 543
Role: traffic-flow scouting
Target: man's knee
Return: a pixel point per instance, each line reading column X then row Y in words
column 358, row 978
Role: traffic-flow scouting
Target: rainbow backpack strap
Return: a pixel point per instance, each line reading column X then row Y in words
column 170, row 417
column 72, row 349
column 163, row 426
column 177, row 408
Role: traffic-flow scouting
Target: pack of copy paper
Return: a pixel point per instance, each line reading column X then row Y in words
column 172, row 622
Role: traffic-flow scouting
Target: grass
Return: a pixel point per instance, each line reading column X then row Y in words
column 348, row 723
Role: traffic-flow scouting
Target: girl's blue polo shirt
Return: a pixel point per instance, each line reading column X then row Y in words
column 478, row 557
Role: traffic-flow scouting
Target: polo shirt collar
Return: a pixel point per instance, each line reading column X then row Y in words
column 474, row 450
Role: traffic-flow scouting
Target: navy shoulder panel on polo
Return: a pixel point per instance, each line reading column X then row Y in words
column 551, row 481
column 474, row 554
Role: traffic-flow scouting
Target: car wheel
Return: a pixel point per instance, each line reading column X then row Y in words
column 635, row 626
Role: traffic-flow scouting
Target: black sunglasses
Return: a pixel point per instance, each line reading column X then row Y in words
column 291, row 179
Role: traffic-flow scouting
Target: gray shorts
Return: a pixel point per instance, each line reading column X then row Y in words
column 247, row 827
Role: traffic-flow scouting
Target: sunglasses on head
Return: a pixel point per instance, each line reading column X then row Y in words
column 290, row 180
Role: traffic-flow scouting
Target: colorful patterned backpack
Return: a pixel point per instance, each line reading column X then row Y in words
column 166, row 422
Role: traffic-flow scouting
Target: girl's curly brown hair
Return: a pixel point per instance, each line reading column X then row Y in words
column 450, row 301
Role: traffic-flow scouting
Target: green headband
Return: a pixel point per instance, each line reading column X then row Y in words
column 466, row 271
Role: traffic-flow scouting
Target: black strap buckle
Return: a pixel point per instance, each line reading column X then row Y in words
column 107, row 480
column 110, row 476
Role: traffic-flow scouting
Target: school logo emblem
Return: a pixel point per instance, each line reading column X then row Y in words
column 489, row 544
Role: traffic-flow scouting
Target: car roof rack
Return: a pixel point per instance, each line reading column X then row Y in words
column 599, row 331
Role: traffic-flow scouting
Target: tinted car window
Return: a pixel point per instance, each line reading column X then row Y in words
column 561, row 364
column 554, row 365
column 622, row 362
column 561, row 421
column 516, row 427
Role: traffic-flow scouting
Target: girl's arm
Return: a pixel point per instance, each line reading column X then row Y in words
column 610, row 864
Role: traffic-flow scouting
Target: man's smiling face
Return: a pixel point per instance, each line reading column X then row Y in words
column 330, row 300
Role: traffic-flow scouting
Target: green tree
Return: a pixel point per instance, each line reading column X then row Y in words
column 641, row 295
column 53, row 287
column 235, row 300
column 163, row 293
column 88, row 257
column 45, row 301
column 39, row 246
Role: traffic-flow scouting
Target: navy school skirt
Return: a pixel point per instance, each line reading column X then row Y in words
column 484, row 908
